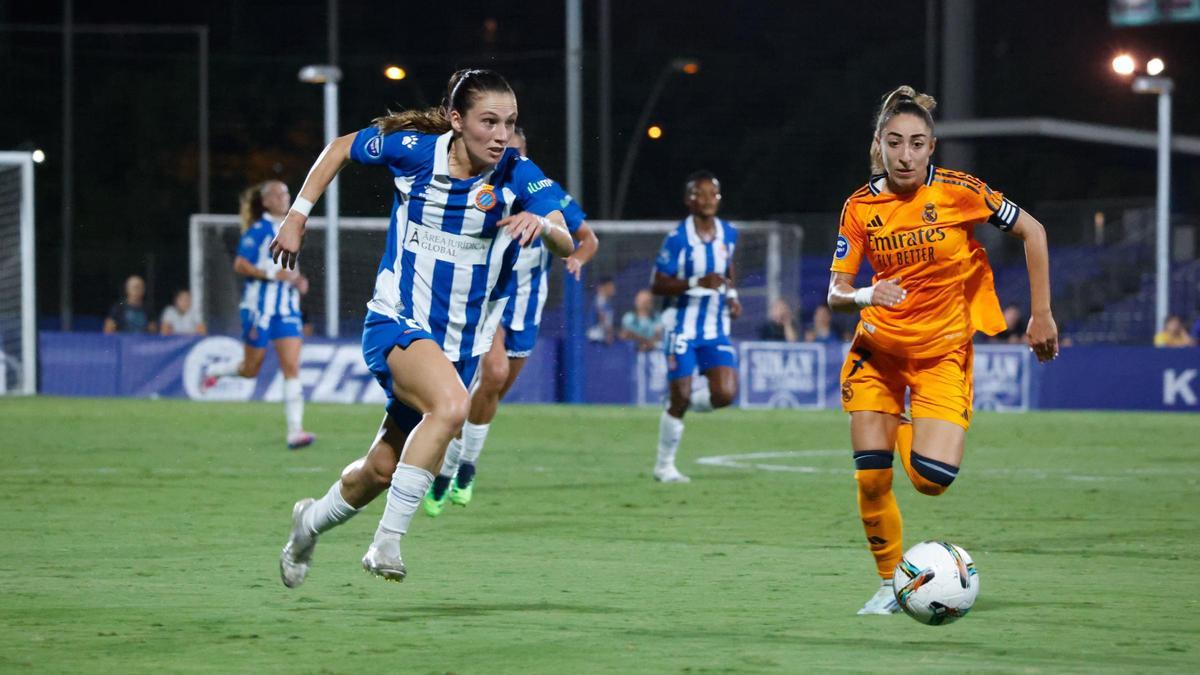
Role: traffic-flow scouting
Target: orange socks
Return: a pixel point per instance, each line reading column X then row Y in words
column 878, row 509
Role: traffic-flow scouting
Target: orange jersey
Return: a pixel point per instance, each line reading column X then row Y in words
column 927, row 239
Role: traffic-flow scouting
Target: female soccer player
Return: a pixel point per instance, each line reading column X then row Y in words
column 513, row 343
column 450, row 246
column 931, row 291
column 694, row 269
column 270, row 306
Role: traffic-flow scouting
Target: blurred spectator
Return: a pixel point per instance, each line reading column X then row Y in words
column 129, row 315
column 642, row 325
column 180, row 317
column 822, row 329
column 602, row 329
column 1173, row 334
column 1015, row 332
column 780, row 326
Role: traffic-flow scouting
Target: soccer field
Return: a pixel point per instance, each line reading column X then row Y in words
column 144, row 536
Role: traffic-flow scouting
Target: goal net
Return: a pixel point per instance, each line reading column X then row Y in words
column 767, row 263
column 18, row 309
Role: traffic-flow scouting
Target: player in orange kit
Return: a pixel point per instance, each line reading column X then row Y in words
column 931, row 291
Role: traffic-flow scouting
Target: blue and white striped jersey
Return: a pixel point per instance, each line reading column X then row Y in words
column 265, row 298
column 447, row 264
column 530, row 282
column 699, row 313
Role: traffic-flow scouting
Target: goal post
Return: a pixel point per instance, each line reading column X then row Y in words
column 18, row 292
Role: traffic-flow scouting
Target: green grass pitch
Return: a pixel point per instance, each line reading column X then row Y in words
column 142, row 536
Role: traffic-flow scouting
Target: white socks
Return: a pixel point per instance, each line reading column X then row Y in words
column 701, row 400
column 409, row 485
column 453, row 458
column 224, row 369
column 670, row 431
column 293, row 404
column 473, row 437
column 465, row 449
column 328, row 511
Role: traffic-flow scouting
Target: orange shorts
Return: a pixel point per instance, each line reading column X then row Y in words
column 942, row 387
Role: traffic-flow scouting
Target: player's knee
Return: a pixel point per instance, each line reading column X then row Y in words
column 930, row 476
column 451, row 410
column 873, row 473
column 721, row 398
column 495, row 373
column 250, row 368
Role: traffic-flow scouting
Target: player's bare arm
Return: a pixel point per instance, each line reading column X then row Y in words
column 1042, row 332
column 584, row 252
column 285, row 249
column 844, row 297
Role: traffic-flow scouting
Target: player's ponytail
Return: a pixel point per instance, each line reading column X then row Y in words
column 462, row 89
column 903, row 100
column 251, row 207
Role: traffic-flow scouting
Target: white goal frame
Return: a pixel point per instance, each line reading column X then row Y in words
column 28, row 385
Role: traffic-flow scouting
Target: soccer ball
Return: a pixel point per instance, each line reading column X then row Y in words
column 936, row 583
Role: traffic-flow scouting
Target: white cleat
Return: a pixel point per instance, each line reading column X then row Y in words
column 883, row 602
column 297, row 552
column 300, row 439
column 669, row 474
column 382, row 564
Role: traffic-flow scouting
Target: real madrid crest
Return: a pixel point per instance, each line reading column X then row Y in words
column 930, row 214
column 485, row 199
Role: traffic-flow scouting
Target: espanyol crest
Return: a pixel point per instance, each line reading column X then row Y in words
column 485, row 199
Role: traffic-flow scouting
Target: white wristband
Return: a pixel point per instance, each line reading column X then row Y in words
column 731, row 294
column 864, row 296
column 547, row 225
column 302, row 206
column 693, row 282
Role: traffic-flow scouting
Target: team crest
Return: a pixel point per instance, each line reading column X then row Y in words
column 847, row 392
column 930, row 214
column 485, row 199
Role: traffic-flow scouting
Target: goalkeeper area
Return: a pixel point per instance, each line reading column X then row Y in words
column 135, row 543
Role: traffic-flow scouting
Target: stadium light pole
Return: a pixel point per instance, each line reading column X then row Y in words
column 329, row 76
column 1155, row 83
column 685, row 66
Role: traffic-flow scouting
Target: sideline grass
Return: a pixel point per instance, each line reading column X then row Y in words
column 143, row 536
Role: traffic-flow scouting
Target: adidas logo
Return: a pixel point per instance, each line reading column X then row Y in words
column 875, row 223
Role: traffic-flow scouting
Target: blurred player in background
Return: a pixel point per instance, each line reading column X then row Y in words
column 512, row 344
column 270, row 308
column 694, row 270
column 931, row 292
column 439, row 293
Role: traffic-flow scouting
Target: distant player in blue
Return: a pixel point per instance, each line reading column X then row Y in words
column 464, row 204
column 694, row 270
column 514, row 341
column 270, row 308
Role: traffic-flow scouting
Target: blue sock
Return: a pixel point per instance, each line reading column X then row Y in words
column 440, row 485
column 466, row 473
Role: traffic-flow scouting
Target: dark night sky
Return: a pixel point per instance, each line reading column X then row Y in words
column 781, row 109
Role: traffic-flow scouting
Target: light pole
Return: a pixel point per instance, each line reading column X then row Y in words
column 686, row 66
column 329, row 76
column 1154, row 83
